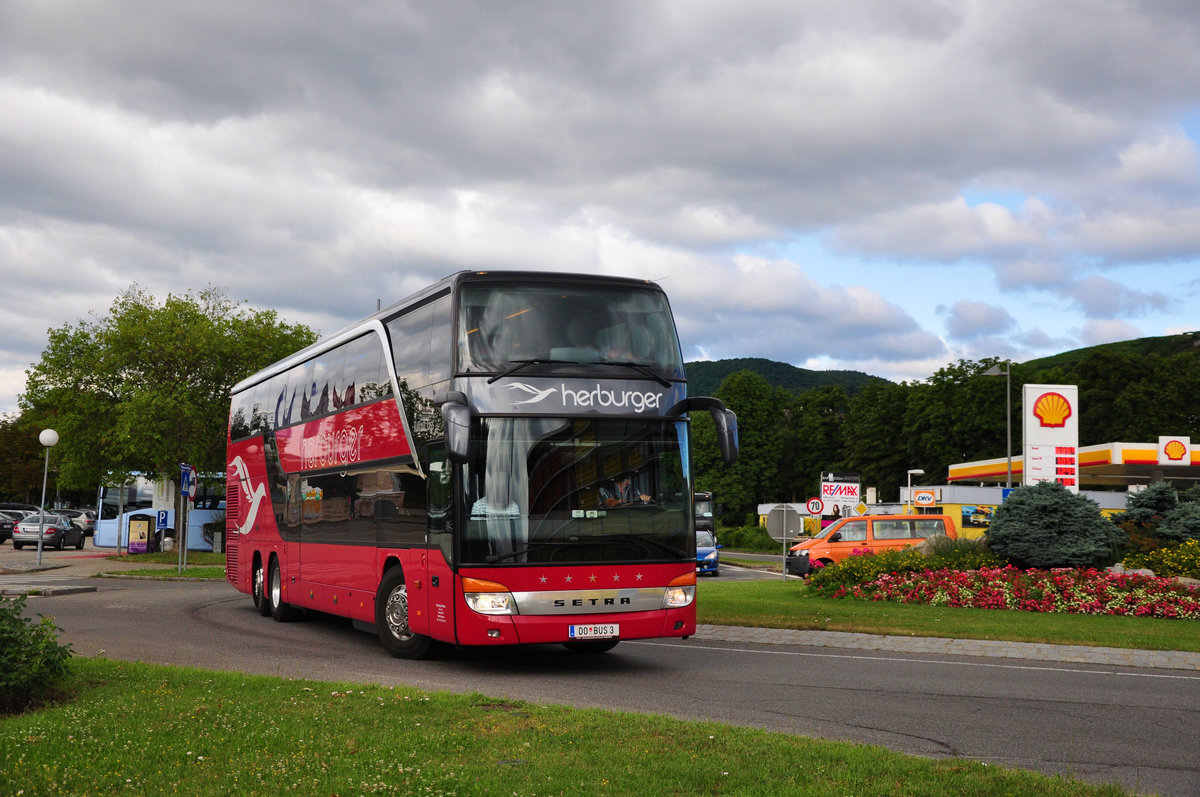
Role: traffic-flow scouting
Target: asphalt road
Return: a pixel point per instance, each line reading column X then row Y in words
column 1140, row 727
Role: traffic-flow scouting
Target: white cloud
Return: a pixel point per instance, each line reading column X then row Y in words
column 1168, row 157
column 969, row 319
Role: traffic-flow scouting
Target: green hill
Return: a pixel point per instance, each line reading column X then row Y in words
column 1164, row 346
column 705, row 376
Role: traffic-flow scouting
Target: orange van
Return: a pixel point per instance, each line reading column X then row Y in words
column 877, row 532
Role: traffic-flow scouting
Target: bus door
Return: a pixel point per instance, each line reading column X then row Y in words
column 438, row 578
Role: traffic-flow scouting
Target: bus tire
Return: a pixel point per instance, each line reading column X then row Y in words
column 391, row 619
column 258, row 588
column 591, row 646
column 280, row 611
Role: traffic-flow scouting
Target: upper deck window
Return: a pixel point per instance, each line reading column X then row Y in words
column 503, row 323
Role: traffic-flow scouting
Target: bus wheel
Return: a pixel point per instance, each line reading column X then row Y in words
column 258, row 589
column 591, row 646
column 391, row 619
column 280, row 611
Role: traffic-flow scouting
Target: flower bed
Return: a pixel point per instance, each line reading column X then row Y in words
column 1071, row 591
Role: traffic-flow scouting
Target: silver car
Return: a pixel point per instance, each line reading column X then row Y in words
column 57, row 532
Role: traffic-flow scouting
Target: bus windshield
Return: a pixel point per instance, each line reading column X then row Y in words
column 571, row 490
column 505, row 323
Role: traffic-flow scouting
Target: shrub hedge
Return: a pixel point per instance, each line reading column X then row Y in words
column 1180, row 561
column 32, row 662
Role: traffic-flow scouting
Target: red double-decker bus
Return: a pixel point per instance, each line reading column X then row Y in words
column 501, row 458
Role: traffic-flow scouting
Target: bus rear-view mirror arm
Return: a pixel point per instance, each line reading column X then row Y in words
column 456, row 419
column 724, row 419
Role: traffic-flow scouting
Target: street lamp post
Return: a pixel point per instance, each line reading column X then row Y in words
column 49, row 439
column 995, row 371
column 912, row 472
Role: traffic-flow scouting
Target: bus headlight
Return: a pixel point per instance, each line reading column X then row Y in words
column 488, row 597
column 680, row 592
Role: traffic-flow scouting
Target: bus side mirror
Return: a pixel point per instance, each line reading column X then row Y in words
column 456, row 419
column 727, row 434
column 725, row 421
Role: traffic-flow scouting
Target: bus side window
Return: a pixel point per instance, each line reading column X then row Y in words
column 440, row 493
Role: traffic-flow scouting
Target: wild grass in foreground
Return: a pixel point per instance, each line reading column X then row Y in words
column 788, row 604
column 142, row 729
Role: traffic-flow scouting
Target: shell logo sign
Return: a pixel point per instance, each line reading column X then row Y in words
column 1174, row 451
column 1052, row 409
column 1051, row 432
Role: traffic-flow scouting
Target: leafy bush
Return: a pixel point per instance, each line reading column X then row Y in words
column 31, row 660
column 1183, row 560
column 960, row 554
column 864, row 565
column 1045, row 525
column 748, row 538
column 1181, row 523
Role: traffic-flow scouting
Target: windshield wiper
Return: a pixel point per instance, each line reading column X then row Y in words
column 493, row 558
column 517, row 365
column 662, row 546
column 643, row 368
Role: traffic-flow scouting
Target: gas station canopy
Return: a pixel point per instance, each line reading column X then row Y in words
column 1118, row 464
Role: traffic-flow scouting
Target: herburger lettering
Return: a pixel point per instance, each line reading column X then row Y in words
column 603, row 397
column 599, row 397
column 337, row 447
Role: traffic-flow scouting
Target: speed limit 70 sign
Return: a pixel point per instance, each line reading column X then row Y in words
column 815, row 506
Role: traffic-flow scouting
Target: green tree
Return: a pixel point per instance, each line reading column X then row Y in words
column 1046, row 525
column 957, row 415
column 1148, row 507
column 762, row 424
column 21, row 460
column 1182, row 523
column 817, row 444
column 875, row 447
column 147, row 386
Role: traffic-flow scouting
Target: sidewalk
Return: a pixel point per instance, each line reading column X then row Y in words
column 20, row 573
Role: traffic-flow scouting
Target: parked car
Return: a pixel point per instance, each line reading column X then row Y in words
column 876, row 532
column 7, row 526
column 84, row 518
column 58, row 532
column 708, row 556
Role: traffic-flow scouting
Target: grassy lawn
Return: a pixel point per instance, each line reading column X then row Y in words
column 171, row 558
column 142, row 729
column 200, row 565
column 787, row 604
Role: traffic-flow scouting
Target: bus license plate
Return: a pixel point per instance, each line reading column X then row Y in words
column 595, row 631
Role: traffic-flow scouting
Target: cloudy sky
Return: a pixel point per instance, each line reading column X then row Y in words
column 884, row 186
